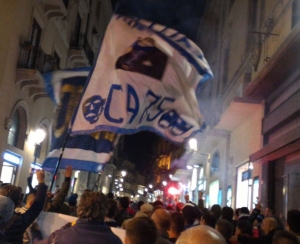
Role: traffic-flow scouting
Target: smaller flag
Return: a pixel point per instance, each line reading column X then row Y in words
column 83, row 152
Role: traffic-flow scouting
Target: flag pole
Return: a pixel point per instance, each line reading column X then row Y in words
column 58, row 161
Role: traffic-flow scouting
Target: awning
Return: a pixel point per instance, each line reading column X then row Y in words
column 237, row 112
column 270, row 152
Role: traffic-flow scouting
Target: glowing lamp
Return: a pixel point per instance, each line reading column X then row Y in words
column 173, row 191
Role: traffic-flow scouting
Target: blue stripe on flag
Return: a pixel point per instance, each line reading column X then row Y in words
column 84, row 152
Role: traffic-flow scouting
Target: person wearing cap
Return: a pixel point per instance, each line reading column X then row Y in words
column 7, row 209
column 145, row 211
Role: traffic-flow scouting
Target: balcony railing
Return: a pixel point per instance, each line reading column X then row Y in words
column 32, row 57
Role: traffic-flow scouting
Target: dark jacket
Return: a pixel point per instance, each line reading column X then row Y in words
column 3, row 239
column 14, row 234
column 266, row 239
column 84, row 231
column 57, row 205
column 121, row 216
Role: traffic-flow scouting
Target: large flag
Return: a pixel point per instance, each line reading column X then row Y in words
column 82, row 152
column 145, row 78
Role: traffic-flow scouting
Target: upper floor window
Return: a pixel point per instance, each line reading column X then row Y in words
column 215, row 163
column 17, row 131
column 77, row 37
column 295, row 12
column 66, row 3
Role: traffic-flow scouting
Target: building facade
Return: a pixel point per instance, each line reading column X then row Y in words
column 252, row 104
column 38, row 37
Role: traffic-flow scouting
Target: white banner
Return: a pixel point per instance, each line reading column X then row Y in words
column 145, row 78
column 50, row 222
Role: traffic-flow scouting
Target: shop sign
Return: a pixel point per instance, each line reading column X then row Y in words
column 246, row 175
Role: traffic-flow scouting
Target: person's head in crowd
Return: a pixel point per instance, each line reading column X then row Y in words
column 110, row 195
column 269, row 212
column 189, row 214
column 244, row 213
column 12, row 192
column 93, row 206
column 7, row 210
column 141, row 230
column 157, row 207
column 162, row 219
column 72, row 200
column 244, row 210
column 284, row 237
column 236, row 214
column 158, row 203
column 227, row 213
column 169, row 207
column 224, row 227
column 216, row 209
column 293, row 224
column 123, row 203
column 243, row 227
column 177, row 225
column 139, row 204
column 112, row 210
column 208, row 218
column 179, row 206
column 269, row 224
column 200, row 234
column 147, row 209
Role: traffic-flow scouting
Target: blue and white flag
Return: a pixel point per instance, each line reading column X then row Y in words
column 145, row 78
column 82, row 152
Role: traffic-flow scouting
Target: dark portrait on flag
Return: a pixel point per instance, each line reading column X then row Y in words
column 144, row 58
column 92, row 108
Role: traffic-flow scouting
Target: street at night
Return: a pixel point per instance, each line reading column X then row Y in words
column 153, row 121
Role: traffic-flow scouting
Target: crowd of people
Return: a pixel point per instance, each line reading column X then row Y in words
column 144, row 223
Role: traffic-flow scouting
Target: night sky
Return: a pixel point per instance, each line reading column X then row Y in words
column 139, row 148
column 182, row 15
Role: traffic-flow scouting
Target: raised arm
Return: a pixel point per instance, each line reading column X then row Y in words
column 58, row 200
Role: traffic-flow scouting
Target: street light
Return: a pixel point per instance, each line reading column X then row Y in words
column 164, row 183
column 193, row 144
column 76, row 175
column 189, row 167
column 37, row 137
column 150, row 186
column 123, row 173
